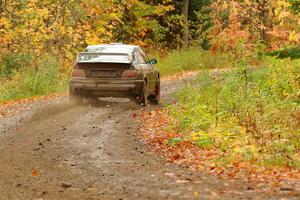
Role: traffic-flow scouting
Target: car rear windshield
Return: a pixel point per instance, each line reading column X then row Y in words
column 104, row 58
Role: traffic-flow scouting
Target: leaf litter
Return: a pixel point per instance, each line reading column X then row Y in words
column 156, row 135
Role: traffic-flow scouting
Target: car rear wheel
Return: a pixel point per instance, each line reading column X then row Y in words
column 157, row 93
column 155, row 98
column 75, row 98
column 143, row 97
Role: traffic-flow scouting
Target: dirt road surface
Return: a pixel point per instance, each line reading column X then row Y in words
column 53, row 150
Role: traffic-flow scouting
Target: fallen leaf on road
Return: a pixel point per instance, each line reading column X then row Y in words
column 182, row 181
column 170, row 174
column 34, row 173
column 66, row 185
column 196, row 194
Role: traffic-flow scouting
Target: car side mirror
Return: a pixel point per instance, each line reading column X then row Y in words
column 153, row 61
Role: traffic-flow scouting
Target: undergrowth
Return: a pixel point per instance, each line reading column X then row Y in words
column 245, row 114
column 33, row 78
column 194, row 59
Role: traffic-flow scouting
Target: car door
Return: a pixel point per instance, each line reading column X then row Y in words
column 136, row 62
column 148, row 70
column 144, row 67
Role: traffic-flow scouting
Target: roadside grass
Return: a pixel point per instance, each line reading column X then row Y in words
column 37, row 78
column 193, row 59
column 247, row 115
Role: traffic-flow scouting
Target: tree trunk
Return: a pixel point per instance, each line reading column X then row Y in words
column 185, row 13
column 1, row 6
column 264, row 19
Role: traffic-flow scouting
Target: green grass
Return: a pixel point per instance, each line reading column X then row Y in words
column 252, row 114
column 194, row 59
column 39, row 78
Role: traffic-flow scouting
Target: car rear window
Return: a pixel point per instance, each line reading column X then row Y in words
column 104, row 58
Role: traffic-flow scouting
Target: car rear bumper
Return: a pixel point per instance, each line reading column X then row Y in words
column 106, row 87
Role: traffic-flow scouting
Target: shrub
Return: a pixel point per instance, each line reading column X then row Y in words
column 292, row 52
column 247, row 112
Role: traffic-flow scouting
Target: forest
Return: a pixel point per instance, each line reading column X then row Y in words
column 249, row 112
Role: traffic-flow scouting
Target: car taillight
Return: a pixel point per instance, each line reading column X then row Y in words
column 78, row 73
column 129, row 74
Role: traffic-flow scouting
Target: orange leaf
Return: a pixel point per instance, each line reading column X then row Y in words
column 34, row 173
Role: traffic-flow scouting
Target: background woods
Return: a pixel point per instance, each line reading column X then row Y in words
column 66, row 26
column 38, row 35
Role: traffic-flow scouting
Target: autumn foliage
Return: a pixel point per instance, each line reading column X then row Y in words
column 169, row 143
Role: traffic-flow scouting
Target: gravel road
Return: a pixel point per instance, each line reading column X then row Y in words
column 55, row 150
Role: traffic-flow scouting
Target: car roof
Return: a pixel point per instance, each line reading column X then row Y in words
column 111, row 48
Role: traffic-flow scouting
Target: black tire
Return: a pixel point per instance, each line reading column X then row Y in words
column 143, row 97
column 75, row 98
column 156, row 98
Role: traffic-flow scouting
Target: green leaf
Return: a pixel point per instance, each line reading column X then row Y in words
column 175, row 141
column 204, row 142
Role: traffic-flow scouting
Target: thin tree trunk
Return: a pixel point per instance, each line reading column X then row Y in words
column 185, row 13
column 264, row 18
column 1, row 6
